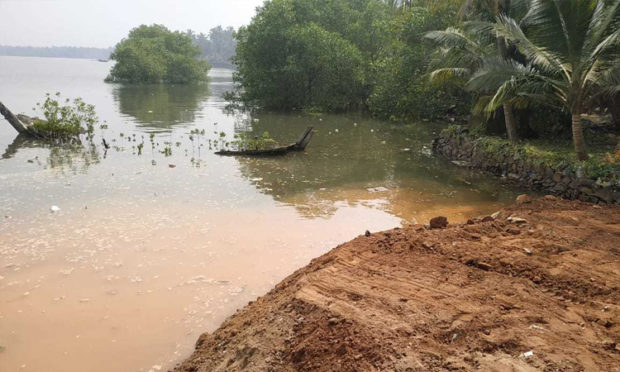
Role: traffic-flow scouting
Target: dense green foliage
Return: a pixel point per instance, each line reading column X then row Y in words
column 344, row 54
column 65, row 121
column 401, row 90
column 154, row 54
column 564, row 54
column 218, row 47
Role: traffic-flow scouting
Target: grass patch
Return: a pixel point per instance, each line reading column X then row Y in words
column 603, row 164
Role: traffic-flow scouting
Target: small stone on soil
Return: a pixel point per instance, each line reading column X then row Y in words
column 332, row 321
column 523, row 199
column 439, row 222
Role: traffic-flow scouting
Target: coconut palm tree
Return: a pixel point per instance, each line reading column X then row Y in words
column 497, row 8
column 463, row 51
column 572, row 51
column 461, row 56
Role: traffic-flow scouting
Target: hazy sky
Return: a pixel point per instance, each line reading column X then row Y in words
column 102, row 23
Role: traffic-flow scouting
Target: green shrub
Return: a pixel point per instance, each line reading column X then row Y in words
column 154, row 54
column 247, row 141
column 65, row 121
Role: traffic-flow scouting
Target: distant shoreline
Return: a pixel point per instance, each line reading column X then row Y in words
column 56, row 52
column 215, row 64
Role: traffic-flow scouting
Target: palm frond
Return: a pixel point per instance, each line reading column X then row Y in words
column 536, row 55
column 508, row 81
column 603, row 20
column 443, row 75
column 453, row 38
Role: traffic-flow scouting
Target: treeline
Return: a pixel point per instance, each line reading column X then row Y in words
column 347, row 54
column 532, row 65
column 218, row 47
column 154, row 54
column 56, row 52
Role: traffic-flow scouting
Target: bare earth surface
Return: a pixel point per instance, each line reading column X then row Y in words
column 469, row 297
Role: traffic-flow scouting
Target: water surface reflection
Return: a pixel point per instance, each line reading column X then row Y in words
column 355, row 160
column 160, row 107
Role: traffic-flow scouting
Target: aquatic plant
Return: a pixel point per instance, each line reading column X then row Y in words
column 248, row 141
column 66, row 121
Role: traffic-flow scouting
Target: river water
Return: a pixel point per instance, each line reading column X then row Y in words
column 150, row 248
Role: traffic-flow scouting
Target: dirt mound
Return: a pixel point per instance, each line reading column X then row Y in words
column 536, row 289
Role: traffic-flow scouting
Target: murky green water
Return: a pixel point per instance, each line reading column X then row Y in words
column 149, row 250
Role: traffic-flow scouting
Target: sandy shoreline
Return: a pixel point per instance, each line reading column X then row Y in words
column 535, row 289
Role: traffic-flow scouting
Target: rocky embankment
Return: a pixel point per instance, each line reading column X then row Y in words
column 535, row 289
column 561, row 179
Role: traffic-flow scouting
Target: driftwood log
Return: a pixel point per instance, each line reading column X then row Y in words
column 23, row 124
column 300, row 145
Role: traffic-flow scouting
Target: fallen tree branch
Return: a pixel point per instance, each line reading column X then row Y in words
column 13, row 120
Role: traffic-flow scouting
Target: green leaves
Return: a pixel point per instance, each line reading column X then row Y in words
column 305, row 53
column 248, row 141
column 65, row 121
column 154, row 54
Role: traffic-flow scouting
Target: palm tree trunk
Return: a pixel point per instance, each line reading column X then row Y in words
column 511, row 125
column 614, row 110
column 12, row 119
column 578, row 139
column 509, row 116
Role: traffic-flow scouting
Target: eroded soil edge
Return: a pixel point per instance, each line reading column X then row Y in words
column 468, row 297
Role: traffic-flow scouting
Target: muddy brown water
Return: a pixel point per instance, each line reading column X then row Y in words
column 142, row 257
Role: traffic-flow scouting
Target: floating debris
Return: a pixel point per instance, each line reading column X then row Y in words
column 54, row 209
column 378, row 189
column 66, row 271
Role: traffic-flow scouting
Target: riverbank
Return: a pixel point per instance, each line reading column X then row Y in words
column 534, row 289
column 551, row 170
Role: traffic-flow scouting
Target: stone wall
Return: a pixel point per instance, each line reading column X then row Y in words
column 470, row 151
